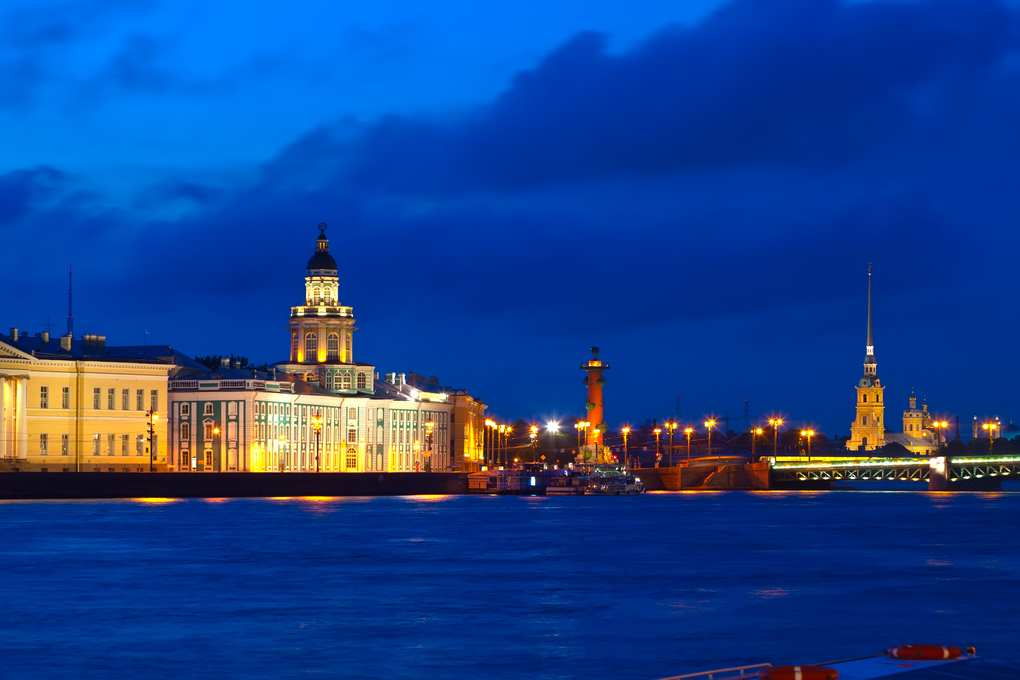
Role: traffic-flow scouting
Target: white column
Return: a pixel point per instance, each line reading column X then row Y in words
column 22, row 403
column 3, row 416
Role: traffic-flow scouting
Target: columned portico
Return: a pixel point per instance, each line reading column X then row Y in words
column 21, row 404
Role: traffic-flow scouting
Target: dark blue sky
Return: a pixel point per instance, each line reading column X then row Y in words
column 696, row 191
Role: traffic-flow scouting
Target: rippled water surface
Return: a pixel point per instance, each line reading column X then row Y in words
column 490, row 587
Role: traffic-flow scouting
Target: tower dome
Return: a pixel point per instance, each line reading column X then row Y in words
column 321, row 259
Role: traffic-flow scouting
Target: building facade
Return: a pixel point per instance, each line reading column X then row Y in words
column 317, row 410
column 70, row 404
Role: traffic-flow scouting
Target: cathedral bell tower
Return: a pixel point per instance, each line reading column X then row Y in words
column 867, row 432
column 321, row 329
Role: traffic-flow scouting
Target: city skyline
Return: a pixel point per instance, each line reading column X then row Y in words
column 713, row 251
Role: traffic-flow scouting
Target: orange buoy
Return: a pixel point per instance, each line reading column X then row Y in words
column 798, row 673
column 924, row 652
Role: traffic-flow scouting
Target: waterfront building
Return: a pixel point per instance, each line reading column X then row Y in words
column 233, row 419
column 868, row 431
column 75, row 404
column 467, row 422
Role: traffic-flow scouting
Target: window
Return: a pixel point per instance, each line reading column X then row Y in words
column 208, row 459
column 333, row 347
column 124, row 444
column 864, row 420
column 293, row 343
column 139, row 396
column 111, row 442
column 352, row 414
column 208, row 409
column 878, row 397
column 329, row 380
column 154, row 400
column 345, row 381
column 124, row 400
column 352, row 435
column 309, row 377
column 352, row 458
column 44, row 397
column 185, row 409
column 864, row 398
column 96, row 397
column 208, row 431
column 95, row 445
column 311, row 343
column 349, row 359
column 139, row 445
column 316, row 296
column 65, row 397
column 42, row 444
column 63, row 445
column 110, row 394
column 362, row 381
column 185, row 432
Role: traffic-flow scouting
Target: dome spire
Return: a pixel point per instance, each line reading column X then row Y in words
column 322, row 260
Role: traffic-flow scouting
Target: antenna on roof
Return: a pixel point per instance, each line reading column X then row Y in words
column 70, row 314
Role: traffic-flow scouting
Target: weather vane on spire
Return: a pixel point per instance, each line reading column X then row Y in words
column 322, row 228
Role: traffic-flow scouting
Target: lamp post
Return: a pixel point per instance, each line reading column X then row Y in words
column 808, row 434
column 991, row 427
column 417, row 450
column 671, row 426
column 552, row 427
column 429, row 426
column 775, row 423
column 658, row 455
column 282, row 454
column 534, row 441
column 710, row 424
column 216, row 445
column 939, row 425
column 489, row 425
column 317, row 428
column 626, row 458
column 579, row 426
column 688, row 431
column 153, row 416
column 754, row 436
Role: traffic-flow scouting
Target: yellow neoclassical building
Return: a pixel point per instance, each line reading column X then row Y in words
column 73, row 404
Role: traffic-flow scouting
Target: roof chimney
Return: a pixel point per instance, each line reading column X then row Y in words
column 65, row 342
column 14, row 334
column 46, row 336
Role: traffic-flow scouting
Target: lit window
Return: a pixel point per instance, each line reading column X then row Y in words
column 44, row 397
column 352, row 414
column 333, row 347
column 111, row 443
column 309, row 377
column 110, row 397
column 124, row 444
column 208, row 408
column 316, row 296
column 352, row 435
column 95, row 445
column 293, row 346
column 95, row 397
column 63, row 444
column 154, row 400
column 345, row 379
column 311, row 343
column 352, row 458
column 185, row 409
column 208, row 431
column 43, row 444
column 362, row 381
column 185, row 432
column 124, row 400
column 139, row 445
column 139, row 397
column 329, row 380
column 350, row 358
column 65, row 397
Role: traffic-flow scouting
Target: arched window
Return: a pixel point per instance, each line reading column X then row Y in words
column 329, row 380
column 327, row 295
column 350, row 358
column 333, row 347
column 352, row 458
column 345, row 380
column 864, row 398
column 362, row 381
column 864, row 420
column 878, row 397
column 309, row 377
column 352, row 414
column 294, row 345
column 316, row 295
column 311, row 343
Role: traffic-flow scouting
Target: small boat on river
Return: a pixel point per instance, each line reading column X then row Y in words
column 612, row 480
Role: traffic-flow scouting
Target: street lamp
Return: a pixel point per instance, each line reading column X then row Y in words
column 671, row 426
column 429, row 425
column 153, row 416
column 579, row 426
column 552, row 427
column 658, row 455
column 808, row 434
column 754, row 436
column 939, row 425
column 317, row 427
column 417, row 450
column 991, row 427
column 710, row 424
column 534, row 440
column 626, row 459
column 775, row 423
column 216, row 440
column 688, row 431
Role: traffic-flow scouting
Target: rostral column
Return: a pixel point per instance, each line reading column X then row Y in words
column 595, row 381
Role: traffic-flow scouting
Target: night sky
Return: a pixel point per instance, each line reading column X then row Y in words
column 697, row 191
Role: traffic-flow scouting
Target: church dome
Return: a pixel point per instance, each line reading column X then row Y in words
column 322, row 259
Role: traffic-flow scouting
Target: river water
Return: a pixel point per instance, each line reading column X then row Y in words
column 499, row 587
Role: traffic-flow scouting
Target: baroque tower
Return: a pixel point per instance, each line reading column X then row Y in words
column 322, row 330
column 868, row 430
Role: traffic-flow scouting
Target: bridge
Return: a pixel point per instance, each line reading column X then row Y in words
column 940, row 472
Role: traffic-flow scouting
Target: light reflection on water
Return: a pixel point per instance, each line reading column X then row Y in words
column 487, row 587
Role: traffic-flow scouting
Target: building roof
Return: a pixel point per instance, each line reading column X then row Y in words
column 94, row 351
column 321, row 259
